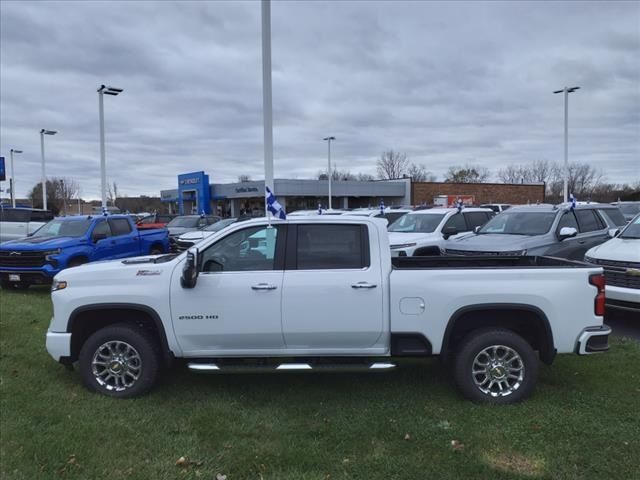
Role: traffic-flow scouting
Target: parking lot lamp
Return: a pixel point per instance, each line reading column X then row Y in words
column 328, row 140
column 44, row 132
column 104, row 90
column 13, row 177
column 566, row 91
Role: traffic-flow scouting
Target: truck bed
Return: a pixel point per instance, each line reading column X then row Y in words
column 483, row 261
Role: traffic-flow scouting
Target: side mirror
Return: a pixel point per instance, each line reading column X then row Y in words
column 448, row 232
column 613, row 232
column 477, row 229
column 96, row 237
column 190, row 270
column 567, row 232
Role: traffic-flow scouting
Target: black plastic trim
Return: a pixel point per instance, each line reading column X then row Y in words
column 410, row 345
column 622, row 305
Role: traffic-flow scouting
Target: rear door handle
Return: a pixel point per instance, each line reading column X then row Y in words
column 363, row 285
column 263, row 286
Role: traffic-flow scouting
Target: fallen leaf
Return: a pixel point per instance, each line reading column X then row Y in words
column 407, row 436
column 457, row 446
column 182, row 461
column 220, row 476
column 536, row 428
column 444, row 424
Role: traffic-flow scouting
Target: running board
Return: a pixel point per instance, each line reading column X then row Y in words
column 285, row 367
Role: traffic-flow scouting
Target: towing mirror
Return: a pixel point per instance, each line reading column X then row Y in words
column 190, row 270
column 477, row 229
column 567, row 232
column 448, row 232
column 613, row 232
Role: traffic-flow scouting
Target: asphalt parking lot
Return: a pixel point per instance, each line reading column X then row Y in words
column 624, row 324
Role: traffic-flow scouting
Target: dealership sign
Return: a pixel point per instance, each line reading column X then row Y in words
column 3, row 173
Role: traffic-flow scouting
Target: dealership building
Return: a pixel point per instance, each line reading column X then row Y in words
column 195, row 194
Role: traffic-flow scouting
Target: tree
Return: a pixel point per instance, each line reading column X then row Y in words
column 419, row 173
column 244, row 178
column 467, row 174
column 112, row 193
column 365, row 177
column 583, row 180
column 392, row 165
column 60, row 192
column 538, row 172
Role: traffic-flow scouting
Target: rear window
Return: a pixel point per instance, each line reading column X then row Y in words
column 119, row 226
column 332, row 247
column 10, row 215
column 588, row 220
column 614, row 216
column 41, row 216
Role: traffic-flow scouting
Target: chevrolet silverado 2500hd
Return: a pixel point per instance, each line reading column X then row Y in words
column 322, row 293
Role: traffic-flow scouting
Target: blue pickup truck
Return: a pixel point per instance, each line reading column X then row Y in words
column 71, row 241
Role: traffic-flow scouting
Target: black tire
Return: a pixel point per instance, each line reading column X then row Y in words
column 501, row 382
column 128, row 377
column 76, row 262
column 7, row 285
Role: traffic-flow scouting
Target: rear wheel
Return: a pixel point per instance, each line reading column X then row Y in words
column 119, row 361
column 495, row 366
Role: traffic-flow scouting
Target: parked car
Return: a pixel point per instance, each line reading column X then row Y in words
column 423, row 232
column 71, row 241
column 188, row 223
column 310, row 292
column 620, row 258
column 19, row 222
column 389, row 214
column 305, row 213
column 155, row 220
column 552, row 230
column 189, row 239
column 496, row 207
column 628, row 209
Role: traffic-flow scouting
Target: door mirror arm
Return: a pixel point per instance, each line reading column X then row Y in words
column 190, row 270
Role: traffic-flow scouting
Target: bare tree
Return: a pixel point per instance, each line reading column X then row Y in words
column 583, row 181
column 60, row 192
column 419, row 173
column 467, row 174
column 365, row 177
column 392, row 165
column 112, row 193
column 244, row 178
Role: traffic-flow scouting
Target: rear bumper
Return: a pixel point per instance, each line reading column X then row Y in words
column 593, row 340
column 59, row 345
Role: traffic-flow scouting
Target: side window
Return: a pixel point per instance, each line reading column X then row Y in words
column 119, row 226
column 101, row 228
column 332, row 247
column 476, row 219
column 147, row 220
column 614, row 216
column 16, row 215
column 588, row 221
column 568, row 219
column 250, row 249
column 211, row 220
column 457, row 221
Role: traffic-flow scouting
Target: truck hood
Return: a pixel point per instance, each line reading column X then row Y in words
column 115, row 272
column 618, row 250
column 197, row 235
column 493, row 242
column 400, row 238
column 40, row 243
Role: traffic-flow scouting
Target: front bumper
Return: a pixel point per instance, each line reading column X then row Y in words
column 28, row 276
column 622, row 298
column 59, row 345
column 593, row 340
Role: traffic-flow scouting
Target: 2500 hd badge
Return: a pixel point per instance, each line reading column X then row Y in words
column 198, row 317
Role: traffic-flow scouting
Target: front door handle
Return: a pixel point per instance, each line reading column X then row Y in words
column 263, row 286
column 363, row 285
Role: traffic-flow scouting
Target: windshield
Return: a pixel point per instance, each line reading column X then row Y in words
column 520, row 223
column 63, row 228
column 187, row 222
column 632, row 230
column 417, row 223
column 629, row 208
column 216, row 227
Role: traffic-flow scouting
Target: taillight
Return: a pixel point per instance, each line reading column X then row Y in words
column 598, row 281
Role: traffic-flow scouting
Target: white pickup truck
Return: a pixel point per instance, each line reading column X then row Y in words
column 322, row 293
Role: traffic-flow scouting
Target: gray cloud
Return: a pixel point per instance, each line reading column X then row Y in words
column 448, row 83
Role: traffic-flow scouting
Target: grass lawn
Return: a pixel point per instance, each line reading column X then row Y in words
column 582, row 423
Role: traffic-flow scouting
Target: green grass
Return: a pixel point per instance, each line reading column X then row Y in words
column 582, row 423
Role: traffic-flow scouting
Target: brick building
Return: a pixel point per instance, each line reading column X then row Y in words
column 512, row 193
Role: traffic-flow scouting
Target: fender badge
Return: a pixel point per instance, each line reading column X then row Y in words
column 146, row 273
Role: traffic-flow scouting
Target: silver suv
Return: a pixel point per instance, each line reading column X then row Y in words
column 552, row 230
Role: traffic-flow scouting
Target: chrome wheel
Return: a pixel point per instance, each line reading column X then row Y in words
column 498, row 371
column 116, row 365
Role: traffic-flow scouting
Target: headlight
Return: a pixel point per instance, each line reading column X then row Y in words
column 49, row 253
column 402, row 245
column 58, row 285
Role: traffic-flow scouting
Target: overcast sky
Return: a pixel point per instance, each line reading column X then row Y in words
column 448, row 83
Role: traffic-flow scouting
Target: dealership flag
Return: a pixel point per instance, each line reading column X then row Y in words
column 572, row 199
column 273, row 206
column 381, row 207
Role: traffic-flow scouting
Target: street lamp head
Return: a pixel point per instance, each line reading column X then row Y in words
column 48, row 132
column 109, row 90
column 329, row 138
column 573, row 89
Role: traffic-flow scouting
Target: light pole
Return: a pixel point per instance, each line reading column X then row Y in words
column 329, row 173
column 104, row 90
column 13, row 178
column 44, row 132
column 566, row 91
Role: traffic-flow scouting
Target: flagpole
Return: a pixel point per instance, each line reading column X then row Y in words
column 266, row 98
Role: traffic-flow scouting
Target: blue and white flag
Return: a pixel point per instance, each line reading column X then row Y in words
column 381, row 207
column 105, row 211
column 319, row 209
column 273, row 206
column 460, row 205
column 572, row 199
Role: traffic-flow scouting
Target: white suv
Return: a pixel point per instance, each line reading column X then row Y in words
column 424, row 232
column 18, row 222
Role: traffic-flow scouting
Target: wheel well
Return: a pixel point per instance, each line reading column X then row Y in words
column 86, row 322
column 157, row 245
column 528, row 322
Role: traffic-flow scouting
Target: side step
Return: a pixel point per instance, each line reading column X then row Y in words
column 286, row 367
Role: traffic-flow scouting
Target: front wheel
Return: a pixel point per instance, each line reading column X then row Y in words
column 495, row 366
column 119, row 361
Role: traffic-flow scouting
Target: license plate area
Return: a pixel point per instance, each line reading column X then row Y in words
column 14, row 277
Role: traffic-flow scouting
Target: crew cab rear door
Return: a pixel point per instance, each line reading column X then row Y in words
column 125, row 241
column 332, row 294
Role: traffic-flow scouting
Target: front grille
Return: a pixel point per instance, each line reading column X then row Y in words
column 471, row 253
column 18, row 259
column 620, row 274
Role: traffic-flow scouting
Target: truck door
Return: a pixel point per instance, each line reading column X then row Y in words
column 332, row 296
column 235, row 305
column 101, row 238
column 125, row 242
